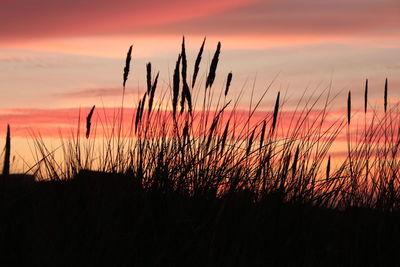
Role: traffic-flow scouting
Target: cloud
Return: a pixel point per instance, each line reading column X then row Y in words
column 298, row 17
column 24, row 19
column 95, row 92
column 48, row 121
column 28, row 19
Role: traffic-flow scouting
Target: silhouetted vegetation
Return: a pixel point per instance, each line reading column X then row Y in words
column 211, row 185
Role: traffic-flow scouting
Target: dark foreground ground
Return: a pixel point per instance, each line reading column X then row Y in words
column 100, row 220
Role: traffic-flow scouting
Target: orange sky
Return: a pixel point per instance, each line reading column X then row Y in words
column 59, row 55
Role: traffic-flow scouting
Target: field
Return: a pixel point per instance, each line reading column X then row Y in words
column 195, row 180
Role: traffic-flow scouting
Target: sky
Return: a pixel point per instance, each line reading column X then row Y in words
column 57, row 56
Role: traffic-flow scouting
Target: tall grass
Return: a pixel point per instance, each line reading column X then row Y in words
column 215, row 149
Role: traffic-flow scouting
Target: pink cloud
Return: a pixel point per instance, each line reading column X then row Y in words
column 26, row 19
column 95, row 92
column 297, row 17
column 49, row 121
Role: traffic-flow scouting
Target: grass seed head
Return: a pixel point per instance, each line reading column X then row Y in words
column 385, row 95
column 276, row 111
column 228, row 83
column 89, row 121
column 328, row 168
column 348, row 108
column 197, row 63
column 127, row 65
column 152, row 92
column 7, row 154
column 213, row 67
column 366, row 96
column 175, row 88
column 148, row 77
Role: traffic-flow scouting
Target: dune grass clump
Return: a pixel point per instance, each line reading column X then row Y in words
column 211, row 147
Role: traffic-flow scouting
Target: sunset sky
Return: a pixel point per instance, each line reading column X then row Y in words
column 59, row 55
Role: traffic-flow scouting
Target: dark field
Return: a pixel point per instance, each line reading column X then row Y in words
column 105, row 219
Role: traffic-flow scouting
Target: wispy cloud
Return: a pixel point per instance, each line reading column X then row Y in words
column 94, row 92
column 49, row 121
column 25, row 19
column 298, row 17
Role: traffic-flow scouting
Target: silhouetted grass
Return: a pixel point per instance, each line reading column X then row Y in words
column 7, row 154
column 211, row 184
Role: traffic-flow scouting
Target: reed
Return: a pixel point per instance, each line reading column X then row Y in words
column 89, row 121
column 175, row 88
column 7, row 154
column 250, row 142
column 148, row 77
column 295, row 162
column 186, row 95
column 328, row 168
column 138, row 114
column 152, row 92
column 224, row 137
column 184, row 60
column 276, row 111
column 366, row 96
column 228, row 83
column 262, row 134
column 385, row 96
column 197, row 63
column 127, row 66
column 349, row 108
column 213, row 67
